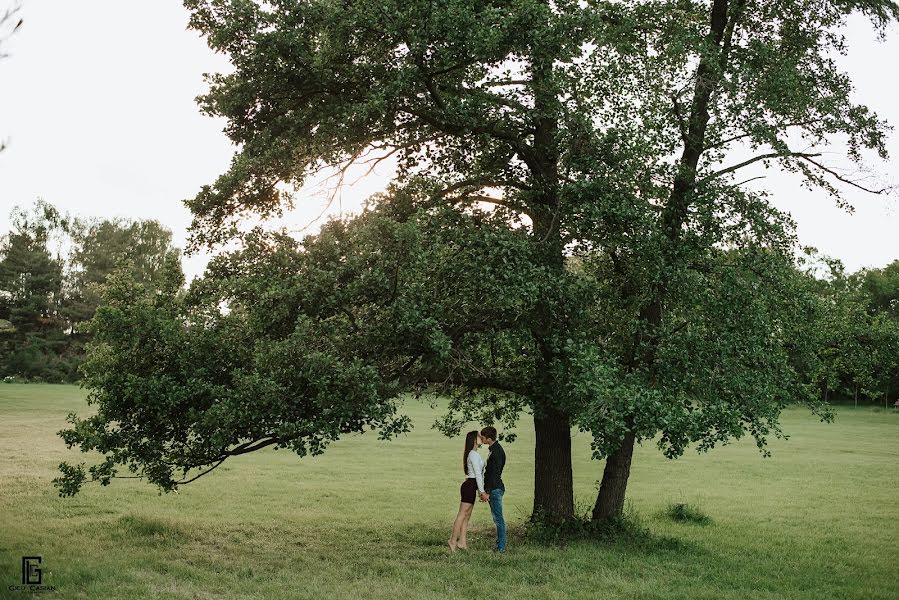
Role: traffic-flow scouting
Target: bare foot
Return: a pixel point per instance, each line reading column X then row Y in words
column 452, row 546
column 461, row 547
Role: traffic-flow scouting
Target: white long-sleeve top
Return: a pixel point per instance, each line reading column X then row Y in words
column 476, row 468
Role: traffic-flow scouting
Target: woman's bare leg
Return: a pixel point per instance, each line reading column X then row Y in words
column 458, row 525
column 463, row 536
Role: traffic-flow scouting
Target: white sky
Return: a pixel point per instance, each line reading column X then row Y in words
column 97, row 104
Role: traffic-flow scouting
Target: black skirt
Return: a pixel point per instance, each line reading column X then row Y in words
column 469, row 490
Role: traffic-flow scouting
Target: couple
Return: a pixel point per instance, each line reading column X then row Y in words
column 478, row 482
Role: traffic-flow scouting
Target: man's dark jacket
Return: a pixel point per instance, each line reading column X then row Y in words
column 493, row 474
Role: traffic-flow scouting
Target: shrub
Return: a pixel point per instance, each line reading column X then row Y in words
column 626, row 527
column 685, row 513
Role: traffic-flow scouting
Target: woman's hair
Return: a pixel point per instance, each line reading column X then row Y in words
column 470, row 439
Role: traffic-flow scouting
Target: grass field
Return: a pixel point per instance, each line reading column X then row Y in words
column 820, row 519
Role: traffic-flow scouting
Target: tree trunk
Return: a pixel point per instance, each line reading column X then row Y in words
column 610, row 502
column 709, row 71
column 553, row 482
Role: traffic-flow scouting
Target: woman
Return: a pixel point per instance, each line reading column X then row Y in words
column 473, row 466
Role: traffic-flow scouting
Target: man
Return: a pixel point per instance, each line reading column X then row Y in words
column 493, row 485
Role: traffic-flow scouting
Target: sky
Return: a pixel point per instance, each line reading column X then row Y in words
column 97, row 105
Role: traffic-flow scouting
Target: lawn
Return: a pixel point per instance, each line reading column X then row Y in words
column 369, row 519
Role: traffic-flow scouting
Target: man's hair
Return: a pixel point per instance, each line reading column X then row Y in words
column 489, row 432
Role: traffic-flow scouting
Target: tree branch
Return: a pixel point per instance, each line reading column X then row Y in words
column 752, row 160
column 778, row 126
column 496, row 201
column 213, row 467
column 514, row 140
column 843, row 179
column 252, row 446
column 502, row 82
column 480, row 182
column 451, row 379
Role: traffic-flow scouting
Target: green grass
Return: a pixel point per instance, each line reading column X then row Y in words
column 369, row 519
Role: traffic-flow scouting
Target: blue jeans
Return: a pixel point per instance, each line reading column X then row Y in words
column 496, row 509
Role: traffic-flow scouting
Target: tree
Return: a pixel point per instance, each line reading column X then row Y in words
column 166, row 360
column 31, row 290
column 882, row 287
column 604, row 131
column 860, row 337
column 101, row 246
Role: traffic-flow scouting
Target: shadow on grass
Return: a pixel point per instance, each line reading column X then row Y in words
column 624, row 532
column 137, row 530
column 414, row 542
column 627, row 536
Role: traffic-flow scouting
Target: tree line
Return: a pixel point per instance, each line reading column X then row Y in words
column 51, row 269
column 860, row 346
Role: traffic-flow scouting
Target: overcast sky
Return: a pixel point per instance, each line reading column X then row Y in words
column 97, row 105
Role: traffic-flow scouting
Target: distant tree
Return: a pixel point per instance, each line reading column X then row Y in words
column 859, row 346
column 30, row 277
column 101, row 246
column 31, row 290
column 882, row 288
